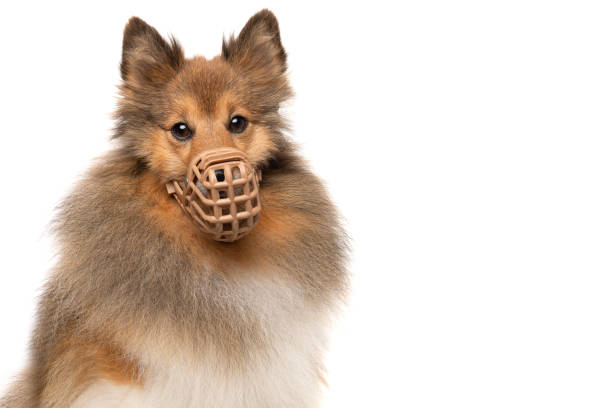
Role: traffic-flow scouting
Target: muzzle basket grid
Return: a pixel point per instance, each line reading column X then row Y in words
column 221, row 193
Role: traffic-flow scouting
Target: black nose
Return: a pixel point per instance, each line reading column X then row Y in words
column 220, row 174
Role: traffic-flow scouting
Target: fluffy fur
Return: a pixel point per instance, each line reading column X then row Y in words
column 141, row 310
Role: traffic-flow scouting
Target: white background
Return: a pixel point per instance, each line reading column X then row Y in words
column 468, row 145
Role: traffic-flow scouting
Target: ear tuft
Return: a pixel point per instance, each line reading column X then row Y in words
column 147, row 58
column 258, row 45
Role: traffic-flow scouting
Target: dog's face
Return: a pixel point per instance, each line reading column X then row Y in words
column 172, row 108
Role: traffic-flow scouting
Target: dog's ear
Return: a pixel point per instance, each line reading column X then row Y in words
column 258, row 49
column 148, row 59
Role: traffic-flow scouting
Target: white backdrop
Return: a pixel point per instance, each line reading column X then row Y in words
column 486, row 280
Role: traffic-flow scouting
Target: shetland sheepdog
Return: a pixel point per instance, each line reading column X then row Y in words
column 144, row 310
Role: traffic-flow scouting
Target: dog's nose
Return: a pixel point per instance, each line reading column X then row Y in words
column 220, row 174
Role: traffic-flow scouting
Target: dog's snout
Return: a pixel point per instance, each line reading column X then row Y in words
column 220, row 193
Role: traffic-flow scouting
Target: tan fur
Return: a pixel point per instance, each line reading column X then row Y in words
column 141, row 309
column 79, row 360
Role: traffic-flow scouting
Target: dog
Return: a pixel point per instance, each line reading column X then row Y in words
column 142, row 308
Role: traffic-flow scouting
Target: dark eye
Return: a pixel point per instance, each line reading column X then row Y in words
column 181, row 131
column 238, row 124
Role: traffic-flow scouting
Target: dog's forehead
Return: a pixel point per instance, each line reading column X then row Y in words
column 206, row 81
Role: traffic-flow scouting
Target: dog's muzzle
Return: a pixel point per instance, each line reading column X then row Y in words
column 220, row 193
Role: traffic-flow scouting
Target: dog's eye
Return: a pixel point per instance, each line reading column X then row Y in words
column 238, row 124
column 181, row 131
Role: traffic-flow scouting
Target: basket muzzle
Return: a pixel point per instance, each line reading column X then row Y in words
column 220, row 193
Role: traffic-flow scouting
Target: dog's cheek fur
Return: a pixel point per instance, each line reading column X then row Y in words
column 163, row 155
column 258, row 145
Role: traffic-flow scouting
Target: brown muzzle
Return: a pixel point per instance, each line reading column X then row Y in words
column 220, row 193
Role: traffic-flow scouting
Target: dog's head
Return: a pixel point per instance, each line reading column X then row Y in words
column 173, row 108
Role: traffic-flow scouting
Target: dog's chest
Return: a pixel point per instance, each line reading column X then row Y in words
column 284, row 374
column 290, row 383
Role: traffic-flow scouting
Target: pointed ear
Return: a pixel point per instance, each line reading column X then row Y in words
column 258, row 49
column 148, row 59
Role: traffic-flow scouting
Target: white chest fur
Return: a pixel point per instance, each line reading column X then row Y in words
column 287, row 375
column 178, row 387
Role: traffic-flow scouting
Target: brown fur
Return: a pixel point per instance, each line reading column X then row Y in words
column 130, row 259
